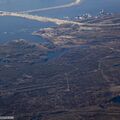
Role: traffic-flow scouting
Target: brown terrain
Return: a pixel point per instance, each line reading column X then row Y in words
column 75, row 77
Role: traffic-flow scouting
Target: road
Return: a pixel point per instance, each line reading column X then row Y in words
column 76, row 2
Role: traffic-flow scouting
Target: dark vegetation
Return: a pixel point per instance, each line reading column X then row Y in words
column 77, row 79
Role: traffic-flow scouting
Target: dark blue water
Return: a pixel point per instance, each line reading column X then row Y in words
column 86, row 6
column 12, row 28
column 21, row 5
column 115, row 100
column 18, row 28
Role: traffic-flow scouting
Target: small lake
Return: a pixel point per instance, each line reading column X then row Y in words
column 115, row 100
